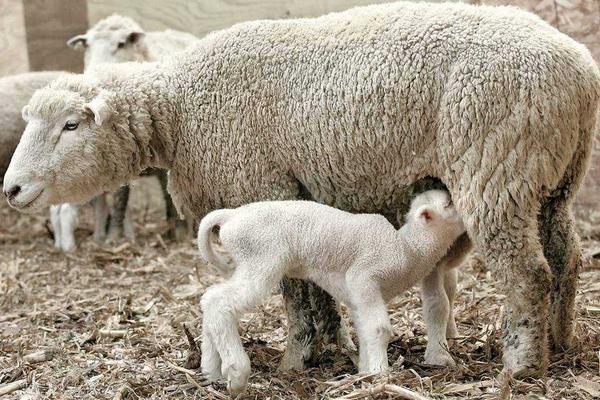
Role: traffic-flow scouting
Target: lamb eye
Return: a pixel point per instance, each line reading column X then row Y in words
column 70, row 126
column 120, row 45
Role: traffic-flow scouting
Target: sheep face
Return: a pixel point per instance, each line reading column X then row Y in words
column 114, row 40
column 433, row 210
column 67, row 142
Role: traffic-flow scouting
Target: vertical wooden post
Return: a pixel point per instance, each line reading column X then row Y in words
column 13, row 46
column 49, row 24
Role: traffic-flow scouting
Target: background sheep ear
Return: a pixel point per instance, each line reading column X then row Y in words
column 135, row 37
column 78, row 42
column 99, row 108
column 25, row 113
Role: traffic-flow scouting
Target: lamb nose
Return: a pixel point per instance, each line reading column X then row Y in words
column 12, row 191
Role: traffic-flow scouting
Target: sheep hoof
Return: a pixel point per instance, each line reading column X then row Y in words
column 237, row 379
column 291, row 362
column 441, row 358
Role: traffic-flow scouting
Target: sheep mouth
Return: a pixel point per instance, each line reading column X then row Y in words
column 25, row 206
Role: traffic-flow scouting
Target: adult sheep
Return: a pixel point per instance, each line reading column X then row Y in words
column 117, row 39
column 351, row 109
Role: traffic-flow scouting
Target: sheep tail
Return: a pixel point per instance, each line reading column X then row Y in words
column 205, row 233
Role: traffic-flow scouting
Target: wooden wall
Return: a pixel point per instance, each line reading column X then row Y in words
column 13, row 45
column 49, row 24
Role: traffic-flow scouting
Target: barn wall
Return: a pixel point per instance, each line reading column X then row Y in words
column 13, row 45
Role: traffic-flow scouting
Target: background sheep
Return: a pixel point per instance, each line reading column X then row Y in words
column 113, row 40
column 400, row 95
column 15, row 92
column 361, row 260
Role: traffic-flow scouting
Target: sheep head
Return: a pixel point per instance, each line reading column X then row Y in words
column 112, row 40
column 70, row 150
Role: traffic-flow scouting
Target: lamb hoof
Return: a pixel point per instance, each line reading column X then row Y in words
column 442, row 359
column 237, row 379
column 452, row 331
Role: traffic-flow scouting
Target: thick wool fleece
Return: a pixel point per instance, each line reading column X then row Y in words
column 351, row 108
column 15, row 92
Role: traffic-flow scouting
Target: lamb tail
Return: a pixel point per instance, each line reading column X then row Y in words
column 205, row 232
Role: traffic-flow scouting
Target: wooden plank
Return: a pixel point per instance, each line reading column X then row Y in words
column 203, row 16
column 13, row 46
column 49, row 24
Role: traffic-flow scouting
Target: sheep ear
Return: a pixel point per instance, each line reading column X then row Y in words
column 99, row 108
column 425, row 214
column 135, row 37
column 25, row 113
column 78, row 42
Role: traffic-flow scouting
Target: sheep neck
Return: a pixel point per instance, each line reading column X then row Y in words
column 147, row 112
column 422, row 249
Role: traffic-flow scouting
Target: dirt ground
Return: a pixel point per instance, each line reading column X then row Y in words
column 106, row 323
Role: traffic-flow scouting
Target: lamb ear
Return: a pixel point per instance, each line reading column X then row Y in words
column 99, row 108
column 425, row 214
column 78, row 42
column 25, row 113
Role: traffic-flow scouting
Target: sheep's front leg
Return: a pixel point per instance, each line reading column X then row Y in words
column 372, row 323
column 301, row 328
column 101, row 217
column 119, row 225
column 451, row 288
column 436, row 309
column 178, row 229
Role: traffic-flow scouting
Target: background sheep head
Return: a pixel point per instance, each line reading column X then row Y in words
column 70, row 150
column 112, row 40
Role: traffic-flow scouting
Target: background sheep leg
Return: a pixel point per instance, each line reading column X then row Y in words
column 101, row 217
column 177, row 227
column 515, row 251
column 116, row 229
column 63, row 218
column 451, row 288
column 436, row 311
column 563, row 252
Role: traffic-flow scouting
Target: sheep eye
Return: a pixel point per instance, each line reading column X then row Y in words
column 70, row 126
column 120, row 45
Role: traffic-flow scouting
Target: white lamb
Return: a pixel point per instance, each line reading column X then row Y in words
column 360, row 259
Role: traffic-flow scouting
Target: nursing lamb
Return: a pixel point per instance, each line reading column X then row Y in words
column 359, row 259
column 351, row 109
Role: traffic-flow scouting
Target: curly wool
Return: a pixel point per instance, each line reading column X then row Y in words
column 352, row 108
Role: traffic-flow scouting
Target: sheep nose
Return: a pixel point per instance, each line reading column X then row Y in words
column 12, row 191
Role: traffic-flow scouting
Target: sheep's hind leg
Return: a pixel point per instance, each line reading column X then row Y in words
column 436, row 311
column 515, row 252
column 222, row 306
column 372, row 324
column 116, row 228
column 563, row 252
